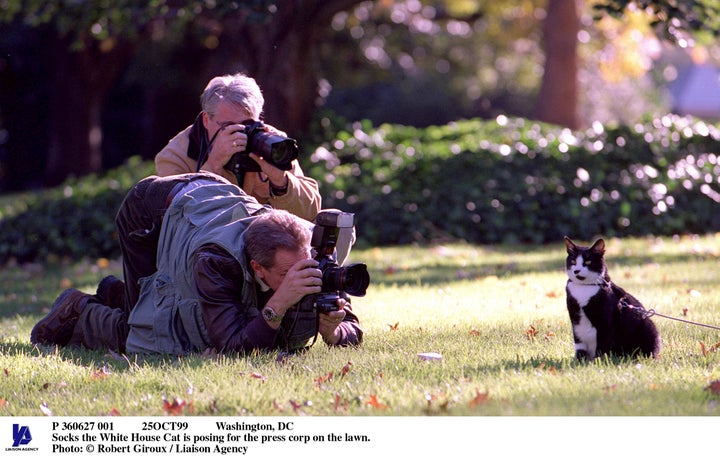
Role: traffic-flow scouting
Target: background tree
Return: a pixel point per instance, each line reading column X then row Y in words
column 91, row 43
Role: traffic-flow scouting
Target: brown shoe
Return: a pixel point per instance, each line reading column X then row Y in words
column 58, row 325
column 111, row 292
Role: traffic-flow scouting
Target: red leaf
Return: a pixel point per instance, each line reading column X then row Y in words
column 531, row 332
column 480, row 398
column 114, row 412
column 373, row 402
column 100, row 374
column 340, row 404
column 258, row 376
column 173, row 408
column 714, row 387
column 345, row 369
column 323, row 379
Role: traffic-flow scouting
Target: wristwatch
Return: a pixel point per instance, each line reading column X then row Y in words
column 270, row 315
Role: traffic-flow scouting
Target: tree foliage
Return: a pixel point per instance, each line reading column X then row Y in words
column 676, row 20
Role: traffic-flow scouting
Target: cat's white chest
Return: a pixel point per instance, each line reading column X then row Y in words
column 582, row 293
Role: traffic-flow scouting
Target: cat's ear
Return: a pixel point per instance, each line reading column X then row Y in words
column 570, row 245
column 598, row 246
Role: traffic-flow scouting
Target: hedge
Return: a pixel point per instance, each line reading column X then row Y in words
column 498, row 181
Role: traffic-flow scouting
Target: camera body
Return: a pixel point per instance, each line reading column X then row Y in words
column 276, row 150
column 337, row 281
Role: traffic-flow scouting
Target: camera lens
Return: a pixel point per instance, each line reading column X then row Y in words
column 275, row 149
column 353, row 279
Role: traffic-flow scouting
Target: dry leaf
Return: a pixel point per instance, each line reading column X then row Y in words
column 373, row 402
column 345, row 369
column 479, row 399
column 173, row 408
column 114, row 412
column 100, row 374
column 258, row 376
column 340, row 403
column 323, row 379
column 474, row 332
column 3, row 402
column 714, row 387
column 394, row 327
column 531, row 332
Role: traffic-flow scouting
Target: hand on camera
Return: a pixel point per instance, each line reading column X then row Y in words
column 229, row 140
column 329, row 323
column 302, row 279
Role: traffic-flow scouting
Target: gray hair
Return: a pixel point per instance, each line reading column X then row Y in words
column 275, row 230
column 237, row 89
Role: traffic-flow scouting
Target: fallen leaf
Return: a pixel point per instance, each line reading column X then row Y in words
column 100, row 374
column 173, row 408
column 479, row 399
column 685, row 312
column 114, row 412
column 340, row 403
column 531, row 332
column 610, row 388
column 394, row 327
column 345, row 369
column 3, row 402
column 258, row 376
column 323, row 379
column 474, row 332
column 375, row 403
column 103, row 263
column 714, row 387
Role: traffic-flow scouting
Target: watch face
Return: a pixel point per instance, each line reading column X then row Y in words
column 269, row 315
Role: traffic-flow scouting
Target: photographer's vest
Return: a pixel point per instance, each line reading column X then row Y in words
column 167, row 317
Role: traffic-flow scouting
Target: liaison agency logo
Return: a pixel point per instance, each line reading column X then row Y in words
column 21, row 439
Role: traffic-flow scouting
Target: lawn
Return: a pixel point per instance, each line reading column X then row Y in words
column 449, row 330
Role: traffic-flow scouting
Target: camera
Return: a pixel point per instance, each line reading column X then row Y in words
column 276, row 150
column 337, row 281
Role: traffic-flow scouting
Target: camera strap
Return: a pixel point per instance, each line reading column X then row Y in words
column 289, row 325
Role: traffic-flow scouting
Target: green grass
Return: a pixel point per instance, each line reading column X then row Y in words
column 496, row 315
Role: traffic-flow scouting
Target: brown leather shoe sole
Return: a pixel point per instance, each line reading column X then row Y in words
column 57, row 326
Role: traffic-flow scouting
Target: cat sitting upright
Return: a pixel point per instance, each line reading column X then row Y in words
column 605, row 318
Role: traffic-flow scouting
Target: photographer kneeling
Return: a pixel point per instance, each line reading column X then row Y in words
column 231, row 275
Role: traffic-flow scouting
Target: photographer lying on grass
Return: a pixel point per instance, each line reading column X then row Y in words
column 227, row 275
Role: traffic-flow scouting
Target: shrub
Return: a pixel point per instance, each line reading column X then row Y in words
column 516, row 180
column 500, row 181
column 75, row 220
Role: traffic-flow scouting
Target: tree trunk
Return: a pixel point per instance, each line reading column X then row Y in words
column 558, row 98
column 80, row 81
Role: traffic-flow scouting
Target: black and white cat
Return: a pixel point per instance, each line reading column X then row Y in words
column 605, row 318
